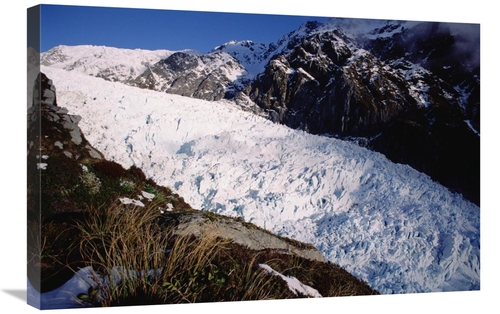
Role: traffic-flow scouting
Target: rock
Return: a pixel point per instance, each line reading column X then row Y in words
column 54, row 125
column 212, row 76
column 243, row 233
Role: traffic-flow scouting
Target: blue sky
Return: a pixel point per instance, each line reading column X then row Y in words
column 158, row 29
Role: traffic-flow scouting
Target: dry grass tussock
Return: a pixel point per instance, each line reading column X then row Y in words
column 137, row 261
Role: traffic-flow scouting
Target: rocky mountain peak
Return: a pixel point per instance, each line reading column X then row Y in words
column 349, row 78
column 309, row 26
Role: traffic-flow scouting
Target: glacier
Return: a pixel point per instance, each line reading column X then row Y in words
column 385, row 223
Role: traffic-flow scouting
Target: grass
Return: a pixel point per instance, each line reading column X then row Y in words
column 145, row 263
column 125, row 237
column 137, row 261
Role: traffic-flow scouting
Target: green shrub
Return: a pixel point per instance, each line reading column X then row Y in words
column 160, row 196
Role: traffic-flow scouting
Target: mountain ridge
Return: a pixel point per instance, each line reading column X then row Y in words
column 384, row 84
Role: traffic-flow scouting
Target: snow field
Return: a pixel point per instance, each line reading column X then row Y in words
column 385, row 223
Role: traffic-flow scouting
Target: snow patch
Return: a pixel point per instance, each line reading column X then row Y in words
column 148, row 196
column 293, row 283
column 128, row 201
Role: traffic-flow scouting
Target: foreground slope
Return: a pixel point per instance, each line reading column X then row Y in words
column 386, row 223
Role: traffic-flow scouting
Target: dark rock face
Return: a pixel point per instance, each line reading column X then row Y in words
column 438, row 144
column 181, row 62
column 448, row 51
column 441, row 139
column 400, row 94
column 318, row 88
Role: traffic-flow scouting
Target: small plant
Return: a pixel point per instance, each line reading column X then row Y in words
column 158, row 195
column 127, row 186
column 150, row 189
column 91, row 297
column 91, row 182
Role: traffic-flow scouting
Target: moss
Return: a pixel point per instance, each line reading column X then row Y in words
column 212, row 216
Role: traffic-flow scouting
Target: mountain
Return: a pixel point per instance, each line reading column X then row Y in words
column 109, row 63
column 81, row 205
column 205, row 76
column 359, row 136
column 409, row 90
column 385, row 223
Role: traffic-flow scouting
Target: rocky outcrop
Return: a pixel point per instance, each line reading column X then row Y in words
column 240, row 232
column 210, row 77
column 51, row 128
column 321, row 88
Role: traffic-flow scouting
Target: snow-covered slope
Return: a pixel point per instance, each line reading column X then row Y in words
column 209, row 76
column 386, row 223
column 250, row 54
column 114, row 64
